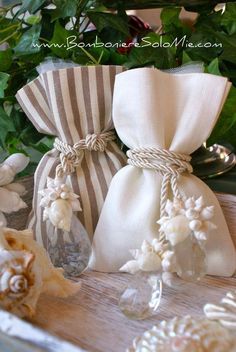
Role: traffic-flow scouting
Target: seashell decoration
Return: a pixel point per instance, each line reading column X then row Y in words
column 185, row 335
column 224, row 312
column 10, row 193
column 26, row 272
column 186, row 216
column 59, row 201
column 153, row 256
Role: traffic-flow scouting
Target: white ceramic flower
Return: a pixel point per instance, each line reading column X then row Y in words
column 59, row 202
column 26, row 272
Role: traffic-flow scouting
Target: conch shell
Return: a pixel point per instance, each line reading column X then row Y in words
column 14, row 164
column 26, row 272
column 185, row 335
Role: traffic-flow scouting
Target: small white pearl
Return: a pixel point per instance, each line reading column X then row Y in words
column 64, row 195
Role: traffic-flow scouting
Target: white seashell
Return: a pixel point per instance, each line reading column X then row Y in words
column 168, row 278
column 16, row 187
column 17, row 162
column 207, row 213
column 53, row 195
column 64, row 195
column 189, row 203
column 135, row 253
column 169, row 261
column 60, row 214
column 75, row 204
column 176, row 230
column 192, row 214
column 195, row 225
column 199, row 203
column 131, row 267
column 185, row 335
column 10, row 201
column 7, row 174
column 27, row 272
column 157, row 245
column 146, row 247
column 65, row 188
column 224, row 312
column 149, row 262
column 200, row 235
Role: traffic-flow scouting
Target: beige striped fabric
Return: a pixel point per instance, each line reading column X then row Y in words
column 70, row 104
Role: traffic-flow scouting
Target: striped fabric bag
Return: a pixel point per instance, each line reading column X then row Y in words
column 75, row 105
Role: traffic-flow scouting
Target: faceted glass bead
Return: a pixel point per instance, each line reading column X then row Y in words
column 141, row 297
column 69, row 250
column 191, row 259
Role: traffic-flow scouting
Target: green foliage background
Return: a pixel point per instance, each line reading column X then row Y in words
column 37, row 22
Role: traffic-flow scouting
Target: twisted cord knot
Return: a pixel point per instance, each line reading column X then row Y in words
column 72, row 155
column 169, row 164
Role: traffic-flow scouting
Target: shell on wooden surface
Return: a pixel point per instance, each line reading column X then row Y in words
column 26, row 272
column 185, row 335
column 224, row 312
column 10, row 201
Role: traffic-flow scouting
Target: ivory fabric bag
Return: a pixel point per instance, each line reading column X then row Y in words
column 174, row 112
column 75, row 104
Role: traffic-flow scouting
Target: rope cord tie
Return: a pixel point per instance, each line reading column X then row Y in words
column 169, row 164
column 71, row 156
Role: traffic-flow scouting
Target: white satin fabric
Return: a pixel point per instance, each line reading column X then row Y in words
column 164, row 110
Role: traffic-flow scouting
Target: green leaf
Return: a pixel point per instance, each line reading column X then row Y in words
column 33, row 19
column 213, row 67
column 65, row 8
column 6, row 126
column 185, row 58
column 30, row 5
column 103, row 20
column 226, row 124
column 58, row 43
column 4, row 77
column 5, row 59
column 29, row 42
column 170, row 18
column 228, row 19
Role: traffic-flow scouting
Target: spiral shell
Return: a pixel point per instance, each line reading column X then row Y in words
column 185, row 335
column 26, row 272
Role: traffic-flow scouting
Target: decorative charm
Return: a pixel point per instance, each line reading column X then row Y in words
column 183, row 230
column 224, row 312
column 140, row 299
column 26, row 272
column 59, row 202
column 10, row 192
column 184, row 335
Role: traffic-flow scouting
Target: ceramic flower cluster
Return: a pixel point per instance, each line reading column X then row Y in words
column 59, row 201
column 26, row 272
column 184, row 219
column 11, row 192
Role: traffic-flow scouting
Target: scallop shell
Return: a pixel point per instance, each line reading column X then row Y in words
column 37, row 273
column 224, row 312
column 185, row 335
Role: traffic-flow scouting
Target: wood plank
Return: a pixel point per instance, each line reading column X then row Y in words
column 93, row 321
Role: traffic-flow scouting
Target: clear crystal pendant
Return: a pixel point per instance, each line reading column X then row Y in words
column 69, row 250
column 141, row 297
column 191, row 259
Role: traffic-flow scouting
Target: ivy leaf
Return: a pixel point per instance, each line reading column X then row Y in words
column 227, row 121
column 30, row 5
column 170, row 18
column 29, row 42
column 4, row 77
column 65, row 8
column 213, row 67
column 102, row 20
column 6, row 125
column 228, row 19
column 5, row 59
column 58, row 43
